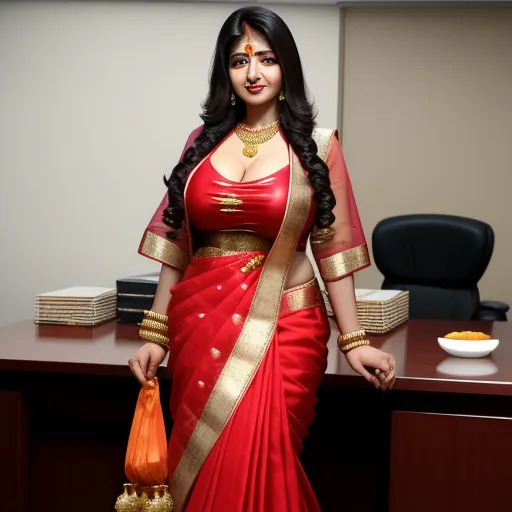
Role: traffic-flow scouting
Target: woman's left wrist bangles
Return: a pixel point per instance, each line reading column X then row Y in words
column 154, row 328
column 351, row 340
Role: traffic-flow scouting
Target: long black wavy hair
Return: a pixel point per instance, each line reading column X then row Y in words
column 296, row 113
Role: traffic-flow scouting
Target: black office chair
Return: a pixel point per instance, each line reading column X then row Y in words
column 439, row 259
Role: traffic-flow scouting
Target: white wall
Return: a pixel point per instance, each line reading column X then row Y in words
column 96, row 102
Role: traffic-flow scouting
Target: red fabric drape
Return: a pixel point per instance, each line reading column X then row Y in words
column 254, row 465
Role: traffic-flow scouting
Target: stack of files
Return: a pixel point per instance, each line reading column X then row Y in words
column 78, row 305
column 134, row 295
column 380, row 311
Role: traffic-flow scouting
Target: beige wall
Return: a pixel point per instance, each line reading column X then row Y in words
column 427, row 120
column 97, row 99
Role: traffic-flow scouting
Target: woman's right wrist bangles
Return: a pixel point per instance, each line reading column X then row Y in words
column 351, row 340
column 154, row 328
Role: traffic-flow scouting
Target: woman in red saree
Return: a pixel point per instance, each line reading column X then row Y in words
column 247, row 325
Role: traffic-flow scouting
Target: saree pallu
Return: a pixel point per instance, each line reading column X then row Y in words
column 253, row 463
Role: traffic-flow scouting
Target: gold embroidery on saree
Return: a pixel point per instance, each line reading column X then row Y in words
column 237, row 319
column 234, row 242
column 253, row 341
column 163, row 250
column 253, row 264
column 300, row 297
column 323, row 138
column 230, row 200
column 213, row 252
column 344, row 263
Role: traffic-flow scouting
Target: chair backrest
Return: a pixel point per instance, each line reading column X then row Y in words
column 438, row 258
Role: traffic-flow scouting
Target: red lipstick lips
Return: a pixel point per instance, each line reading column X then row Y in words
column 255, row 89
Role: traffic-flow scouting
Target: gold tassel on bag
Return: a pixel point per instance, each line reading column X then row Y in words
column 128, row 501
column 161, row 502
column 135, row 499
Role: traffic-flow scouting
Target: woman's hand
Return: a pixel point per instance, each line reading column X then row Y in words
column 382, row 363
column 145, row 362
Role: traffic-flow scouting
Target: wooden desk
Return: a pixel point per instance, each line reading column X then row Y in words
column 439, row 441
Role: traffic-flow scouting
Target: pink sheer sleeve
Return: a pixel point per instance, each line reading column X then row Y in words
column 345, row 252
column 155, row 244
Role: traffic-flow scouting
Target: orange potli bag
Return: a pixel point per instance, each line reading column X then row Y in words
column 146, row 457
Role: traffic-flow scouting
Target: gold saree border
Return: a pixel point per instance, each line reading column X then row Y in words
column 343, row 263
column 253, row 341
column 323, row 138
column 163, row 250
column 304, row 296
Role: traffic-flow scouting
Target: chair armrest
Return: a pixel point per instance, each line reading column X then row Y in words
column 495, row 304
column 492, row 310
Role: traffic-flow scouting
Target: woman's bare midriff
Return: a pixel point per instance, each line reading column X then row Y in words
column 301, row 270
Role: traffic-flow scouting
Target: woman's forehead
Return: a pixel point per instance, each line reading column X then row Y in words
column 251, row 37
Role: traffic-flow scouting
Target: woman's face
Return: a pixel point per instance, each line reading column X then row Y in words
column 254, row 71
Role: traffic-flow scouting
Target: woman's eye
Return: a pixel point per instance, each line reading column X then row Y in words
column 239, row 62
column 269, row 60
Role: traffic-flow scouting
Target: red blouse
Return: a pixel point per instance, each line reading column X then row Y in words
column 215, row 203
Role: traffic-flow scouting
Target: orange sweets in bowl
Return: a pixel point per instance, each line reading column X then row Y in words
column 467, row 336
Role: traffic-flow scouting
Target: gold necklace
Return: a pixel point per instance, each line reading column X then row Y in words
column 252, row 137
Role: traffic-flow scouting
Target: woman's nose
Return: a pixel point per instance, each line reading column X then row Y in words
column 253, row 73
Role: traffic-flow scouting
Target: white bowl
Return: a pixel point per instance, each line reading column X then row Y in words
column 468, row 348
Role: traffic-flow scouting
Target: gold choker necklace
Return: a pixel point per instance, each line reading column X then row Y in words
column 252, row 137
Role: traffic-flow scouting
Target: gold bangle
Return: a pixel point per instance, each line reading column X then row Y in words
column 347, row 347
column 156, row 316
column 153, row 336
column 353, row 336
column 152, row 325
column 147, row 333
column 355, row 344
column 342, row 342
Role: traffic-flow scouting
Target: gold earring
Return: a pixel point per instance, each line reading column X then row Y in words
column 281, row 96
column 233, row 100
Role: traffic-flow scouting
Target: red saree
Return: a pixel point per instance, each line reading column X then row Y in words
column 247, row 357
column 260, row 444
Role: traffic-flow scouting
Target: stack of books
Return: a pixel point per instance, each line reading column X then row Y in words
column 134, row 295
column 378, row 311
column 78, row 305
